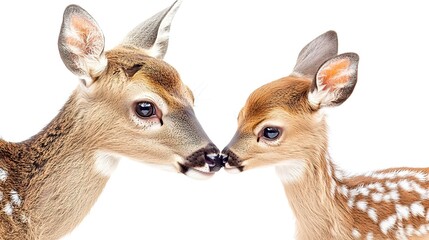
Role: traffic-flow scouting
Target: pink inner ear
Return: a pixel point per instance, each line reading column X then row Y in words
column 83, row 36
column 335, row 75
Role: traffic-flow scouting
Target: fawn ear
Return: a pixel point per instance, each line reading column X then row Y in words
column 152, row 35
column 81, row 44
column 334, row 81
column 315, row 53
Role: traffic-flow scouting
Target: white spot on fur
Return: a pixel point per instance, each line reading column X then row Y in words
column 405, row 185
column 362, row 205
column 391, row 185
column 105, row 163
column 8, row 209
column 388, row 224
column 364, row 191
column 15, row 198
column 356, row 234
column 394, row 195
column 402, row 211
column 372, row 214
column 377, row 197
column 350, row 202
column 291, row 170
column 421, row 176
column 1, row 195
column 370, row 236
column 417, row 209
column 3, row 175
column 344, row 190
column 422, row 230
column 376, row 186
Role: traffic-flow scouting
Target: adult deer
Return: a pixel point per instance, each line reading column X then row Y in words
column 129, row 103
column 282, row 124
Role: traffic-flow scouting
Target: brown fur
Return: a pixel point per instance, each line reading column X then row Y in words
column 53, row 172
column 317, row 196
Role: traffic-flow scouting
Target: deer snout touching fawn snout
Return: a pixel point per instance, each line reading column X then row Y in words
column 283, row 125
column 129, row 103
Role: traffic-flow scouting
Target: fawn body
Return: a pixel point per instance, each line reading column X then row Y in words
column 129, row 103
column 282, row 124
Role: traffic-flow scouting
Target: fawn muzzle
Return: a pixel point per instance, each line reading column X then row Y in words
column 230, row 160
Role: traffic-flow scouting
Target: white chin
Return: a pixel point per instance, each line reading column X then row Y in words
column 232, row 170
column 229, row 169
column 199, row 175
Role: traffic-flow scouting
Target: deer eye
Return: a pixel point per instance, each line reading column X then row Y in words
column 145, row 109
column 271, row 133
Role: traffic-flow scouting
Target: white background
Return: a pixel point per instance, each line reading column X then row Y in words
column 223, row 51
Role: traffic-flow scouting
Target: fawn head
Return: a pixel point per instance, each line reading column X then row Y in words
column 282, row 122
column 136, row 103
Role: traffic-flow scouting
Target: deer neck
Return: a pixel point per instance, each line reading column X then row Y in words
column 64, row 182
column 321, row 213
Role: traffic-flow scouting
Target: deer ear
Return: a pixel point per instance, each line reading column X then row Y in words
column 152, row 35
column 81, row 44
column 334, row 81
column 315, row 53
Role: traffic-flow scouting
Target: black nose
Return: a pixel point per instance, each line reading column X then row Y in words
column 215, row 162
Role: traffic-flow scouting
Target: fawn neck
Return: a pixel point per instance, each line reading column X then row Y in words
column 319, row 210
column 63, row 184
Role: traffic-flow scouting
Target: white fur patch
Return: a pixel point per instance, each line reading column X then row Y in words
column 344, row 190
column 105, row 163
column 320, row 97
column 3, row 175
column 422, row 177
column 370, row 236
column 229, row 169
column 15, row 198
column 373, row 215
column 377, row 197
column 402, row 211
column 8, row 209
column 362, row 205
column 388, row 224
column 291, row 170
column 417, row 209
column 199, row 175
column 356, row 234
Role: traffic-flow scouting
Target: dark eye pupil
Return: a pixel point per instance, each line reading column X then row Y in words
column 271, row 133
column 145, row 109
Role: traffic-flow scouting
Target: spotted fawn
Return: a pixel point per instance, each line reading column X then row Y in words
column 283, row 125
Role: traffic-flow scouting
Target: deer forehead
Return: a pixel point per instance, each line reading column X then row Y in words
column 152, row 73
column 286, row 97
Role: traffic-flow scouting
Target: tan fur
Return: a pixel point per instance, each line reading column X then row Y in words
column 49, row 182
column 317, row 196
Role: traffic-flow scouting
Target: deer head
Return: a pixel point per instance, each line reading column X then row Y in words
column 135, row 103
column 282, row 122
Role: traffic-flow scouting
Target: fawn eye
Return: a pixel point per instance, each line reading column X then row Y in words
column 271, row 133
column 145, row 109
